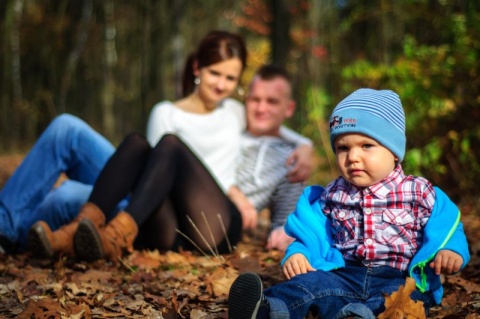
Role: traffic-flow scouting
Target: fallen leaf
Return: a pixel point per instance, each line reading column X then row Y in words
column 399, row 305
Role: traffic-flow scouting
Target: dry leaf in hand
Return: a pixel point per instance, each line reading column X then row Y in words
column 399, row 305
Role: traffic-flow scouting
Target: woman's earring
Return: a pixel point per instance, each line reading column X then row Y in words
column 240, row 91
column 197, row 80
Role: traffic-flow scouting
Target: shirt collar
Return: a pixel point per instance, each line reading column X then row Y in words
column 379, row 189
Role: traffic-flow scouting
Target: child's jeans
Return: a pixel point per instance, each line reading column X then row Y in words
column 327, row 292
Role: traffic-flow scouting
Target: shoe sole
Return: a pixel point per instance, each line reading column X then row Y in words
column 245, row 296
column 87, row 241
column 38, row 242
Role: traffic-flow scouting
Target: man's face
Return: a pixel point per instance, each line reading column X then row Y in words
column 268, row 104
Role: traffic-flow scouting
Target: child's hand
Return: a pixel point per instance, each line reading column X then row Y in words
column 447, row 261
column 296, row 264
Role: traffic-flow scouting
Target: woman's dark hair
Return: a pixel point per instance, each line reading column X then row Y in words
column 216, row 47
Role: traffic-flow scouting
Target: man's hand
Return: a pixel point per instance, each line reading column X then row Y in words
column 246, row 208
column 446, row 261
column 296, row 264
column 302, row 159
column 279, row 239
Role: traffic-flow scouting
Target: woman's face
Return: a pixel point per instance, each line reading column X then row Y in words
column 219, row 80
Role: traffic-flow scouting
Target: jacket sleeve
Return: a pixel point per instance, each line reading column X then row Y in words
column 312, row 232
column 456, row 241
column 442, row 231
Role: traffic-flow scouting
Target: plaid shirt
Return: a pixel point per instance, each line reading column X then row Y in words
column 380, row 224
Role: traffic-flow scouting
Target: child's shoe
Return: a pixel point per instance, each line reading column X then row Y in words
column 246, row 299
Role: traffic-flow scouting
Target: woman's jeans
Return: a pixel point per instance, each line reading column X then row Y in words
column 347, row 289
column 67, row 145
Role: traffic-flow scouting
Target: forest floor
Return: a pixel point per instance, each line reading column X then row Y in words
column 147, row 284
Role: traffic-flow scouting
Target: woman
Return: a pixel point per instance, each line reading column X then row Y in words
column 180, row 184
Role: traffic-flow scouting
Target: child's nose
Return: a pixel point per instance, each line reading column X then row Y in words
column 353, row 155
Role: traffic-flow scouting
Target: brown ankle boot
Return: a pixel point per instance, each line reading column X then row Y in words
column 45, row 243
column 112, row 241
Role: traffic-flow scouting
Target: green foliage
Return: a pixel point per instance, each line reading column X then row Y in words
column 318, row 104
column 435, row 84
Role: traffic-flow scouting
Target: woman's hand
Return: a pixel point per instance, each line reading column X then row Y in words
column 446, row 261
column 296, row 264
column 247, row 210
column 279, row 239
column 302, row 159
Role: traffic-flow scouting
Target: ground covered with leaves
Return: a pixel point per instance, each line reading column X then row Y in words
column 147, row 284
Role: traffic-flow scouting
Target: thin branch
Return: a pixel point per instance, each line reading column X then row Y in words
column 201, row 236
column 125, row 264
column 225, row 233
column 211, row 234
column 193, row 243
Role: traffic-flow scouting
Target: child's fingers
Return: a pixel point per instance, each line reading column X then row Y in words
column 290, row 270
column 447, row 262
column 295, row 267
column 453, row 266
column 438, row 264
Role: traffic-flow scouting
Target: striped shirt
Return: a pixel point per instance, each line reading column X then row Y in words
column 262, row 176
column 381, row 224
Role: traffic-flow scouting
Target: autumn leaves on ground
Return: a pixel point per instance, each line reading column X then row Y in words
column 147, row 284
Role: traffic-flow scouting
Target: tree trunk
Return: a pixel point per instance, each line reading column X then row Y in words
column 75, row 54
column 280, row 32
column 15, row 48
column 110, row 59
column 11, row 123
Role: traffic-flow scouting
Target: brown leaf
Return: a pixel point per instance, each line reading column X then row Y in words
column 399, row 305
column 221, row 280
column 465, row 284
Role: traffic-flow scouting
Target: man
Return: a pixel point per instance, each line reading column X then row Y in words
column 69, row 145
column 262, row 174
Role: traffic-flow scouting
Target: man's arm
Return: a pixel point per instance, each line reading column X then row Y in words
column 301, row 158
column 283, row 202
column 247, row 209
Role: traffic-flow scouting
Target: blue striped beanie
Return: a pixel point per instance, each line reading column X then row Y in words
column 377, row 114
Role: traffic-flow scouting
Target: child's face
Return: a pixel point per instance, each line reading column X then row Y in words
column 361, row 160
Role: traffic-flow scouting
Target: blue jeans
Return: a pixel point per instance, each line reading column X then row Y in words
column 67, row 145
column 353, row 289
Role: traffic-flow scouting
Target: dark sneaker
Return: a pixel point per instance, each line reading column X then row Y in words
column 246, row 299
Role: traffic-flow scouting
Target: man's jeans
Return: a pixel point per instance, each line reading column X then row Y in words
column 67, row 145
column 347, row 290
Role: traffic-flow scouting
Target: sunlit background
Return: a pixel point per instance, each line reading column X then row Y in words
column 109, row 61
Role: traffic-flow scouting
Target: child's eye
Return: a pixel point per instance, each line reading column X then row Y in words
column 341, row 148
column 367, row 145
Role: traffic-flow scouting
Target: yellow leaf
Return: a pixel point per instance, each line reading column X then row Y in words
column 399, row 305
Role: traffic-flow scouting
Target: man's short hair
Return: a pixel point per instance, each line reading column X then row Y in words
column 269, row 72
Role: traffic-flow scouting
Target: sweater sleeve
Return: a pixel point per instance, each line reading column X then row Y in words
column 283, row 201
column 293, row 137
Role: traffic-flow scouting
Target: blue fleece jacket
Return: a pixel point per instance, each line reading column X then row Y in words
column 313, row 238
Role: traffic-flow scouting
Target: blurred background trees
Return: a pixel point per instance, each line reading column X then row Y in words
column 110, row 61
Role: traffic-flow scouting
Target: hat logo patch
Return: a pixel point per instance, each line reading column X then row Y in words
column 339, row 122
column 335, row 121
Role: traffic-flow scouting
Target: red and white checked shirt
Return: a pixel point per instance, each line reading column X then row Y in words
column 381, row 224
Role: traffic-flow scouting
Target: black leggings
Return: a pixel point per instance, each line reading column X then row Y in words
column 169, row 186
